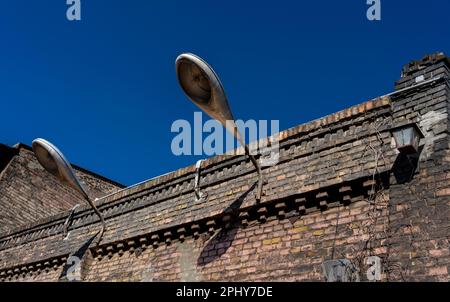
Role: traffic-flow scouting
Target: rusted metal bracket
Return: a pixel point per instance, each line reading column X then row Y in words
column 199, row 195
column 67, row 222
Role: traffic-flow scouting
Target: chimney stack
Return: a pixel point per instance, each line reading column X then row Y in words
column 431, row 66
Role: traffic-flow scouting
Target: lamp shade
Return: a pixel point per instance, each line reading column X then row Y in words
column 55, row 163
column 202, row 86
column 407, row 138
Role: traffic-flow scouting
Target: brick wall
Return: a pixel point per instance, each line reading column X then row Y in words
column 419, row 202
column 28, row 193
column 340, row 191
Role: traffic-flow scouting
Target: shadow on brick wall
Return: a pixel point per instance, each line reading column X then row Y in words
column 405, row 166
column 220, row 242
column 78, row 258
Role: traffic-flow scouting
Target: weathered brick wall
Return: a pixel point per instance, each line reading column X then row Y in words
column 28, row 193
column 419, row 200
column 340, row 190
column 278, row 249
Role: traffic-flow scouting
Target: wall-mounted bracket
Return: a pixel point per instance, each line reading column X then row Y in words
column 199, row 195
column 67, row 222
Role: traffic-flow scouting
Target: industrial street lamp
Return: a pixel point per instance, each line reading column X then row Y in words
column 202, row 86
column 54, row 162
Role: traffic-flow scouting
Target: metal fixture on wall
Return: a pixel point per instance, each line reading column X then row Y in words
column 202, row 86
column 199, row 195
column 68, row 220
column 54, row 162
column 407, row 138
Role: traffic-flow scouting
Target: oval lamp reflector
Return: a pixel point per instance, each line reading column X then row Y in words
column 55, row 163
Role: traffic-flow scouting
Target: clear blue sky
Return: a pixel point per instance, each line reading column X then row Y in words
column 104, row 89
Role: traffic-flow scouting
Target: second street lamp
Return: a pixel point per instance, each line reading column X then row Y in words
column 202, row 86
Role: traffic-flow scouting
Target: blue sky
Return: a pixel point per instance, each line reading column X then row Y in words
column 104, row 89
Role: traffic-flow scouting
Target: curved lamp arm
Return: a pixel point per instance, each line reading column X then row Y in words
column 56, row 164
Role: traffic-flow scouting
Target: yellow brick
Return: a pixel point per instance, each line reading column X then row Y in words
column 181, row 206
column 354, row 226
column 300, row 229
column 267, row 242
column 299, row 223
column 296, row 250
column 215, row 276
column 318, row 233
column 276, row 240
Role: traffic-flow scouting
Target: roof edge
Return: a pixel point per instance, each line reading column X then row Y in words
column 20, row 145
